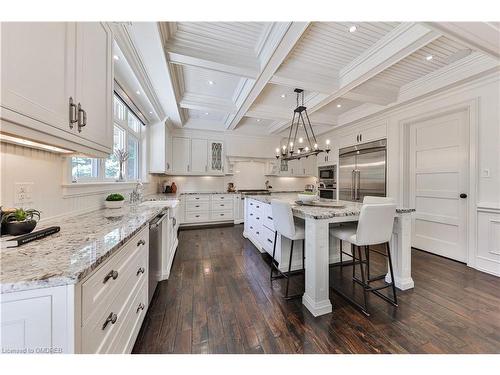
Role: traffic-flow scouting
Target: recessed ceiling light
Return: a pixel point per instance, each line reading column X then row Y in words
column 339, row 105
column 210, row 82
column 116, row 58
column 283, row 95
column 429, row 58
column 138, row 92
column 150, row 112
column 206, row 113
column 352, row 29
column 258, row 120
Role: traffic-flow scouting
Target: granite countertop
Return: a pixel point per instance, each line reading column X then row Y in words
column 84, row 242
column 349, row 209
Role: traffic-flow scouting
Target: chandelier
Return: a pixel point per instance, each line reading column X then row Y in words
column 293, row 150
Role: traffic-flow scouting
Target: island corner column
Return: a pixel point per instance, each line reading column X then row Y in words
column 316, row 295
column 401, row 252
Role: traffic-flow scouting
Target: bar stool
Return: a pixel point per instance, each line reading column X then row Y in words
column 374, row 227
column 285, row 225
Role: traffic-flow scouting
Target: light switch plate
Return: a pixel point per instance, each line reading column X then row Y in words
column 23, row 194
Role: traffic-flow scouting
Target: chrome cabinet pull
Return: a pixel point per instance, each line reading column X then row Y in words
column 270, row 241
column 112, row 274
column 72, row 113
column 197, row 206
column 141, row 242
column 140, row 270
column 269, row 217
column 112, row 317
column 140, row 307
column 82, row 118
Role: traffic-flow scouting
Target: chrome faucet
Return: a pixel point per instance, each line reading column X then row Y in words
column 136, row 194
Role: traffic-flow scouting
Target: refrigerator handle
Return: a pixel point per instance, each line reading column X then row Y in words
column 357, row 182
column 353, row 184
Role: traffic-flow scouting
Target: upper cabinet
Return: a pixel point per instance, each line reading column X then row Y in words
column 197, row 156
column 57, row 84
column 363, row 135
column 160, row 157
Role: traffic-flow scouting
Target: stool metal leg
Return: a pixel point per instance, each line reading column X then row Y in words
column 392, row 273
column 353, row 261
column 274, row 253
column 367, row 255
column 289, row 270
column 341, row 265
column 365, row 285
column 304, row 255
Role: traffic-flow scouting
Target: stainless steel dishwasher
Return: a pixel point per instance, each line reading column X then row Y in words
column 157, row 239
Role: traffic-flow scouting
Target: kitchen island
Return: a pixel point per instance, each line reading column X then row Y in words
column 318, row 247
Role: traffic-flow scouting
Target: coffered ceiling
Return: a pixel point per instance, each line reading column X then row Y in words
column 240, row 76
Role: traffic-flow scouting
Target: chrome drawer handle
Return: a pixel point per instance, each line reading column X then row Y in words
column 112, row 274
column 197, row 215
column 257, row 232
column 141, row 242
column 257, row 206
column 269, row 240
column 112, row 317
column 269, row 217
column 221, row 214
column 140, row 270
column 140, row 307
column 258, row 218
column 197, row 205
column 251, row 227
column 251, row 214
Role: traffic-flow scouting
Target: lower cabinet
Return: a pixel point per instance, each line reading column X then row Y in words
column 209, row 208
column 101, row 314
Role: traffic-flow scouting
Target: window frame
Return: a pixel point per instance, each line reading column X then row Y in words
column 128, row 132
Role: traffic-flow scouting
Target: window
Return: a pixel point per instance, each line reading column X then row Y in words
column 126, row 137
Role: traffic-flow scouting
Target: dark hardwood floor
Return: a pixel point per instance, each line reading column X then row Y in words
column 219, row 300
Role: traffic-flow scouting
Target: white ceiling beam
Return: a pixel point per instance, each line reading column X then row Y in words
column 206, row 103
column 373, row 93
column 481, row 36
column 399, row 43
column 289, row 38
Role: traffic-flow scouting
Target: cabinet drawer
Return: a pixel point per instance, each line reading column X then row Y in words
column 267, row 239
column 198, row 198
column 222, row 197
column 197, row 206
column 222, row 215
column 101, row 288
column 125, row 336
column 221, row 205
column 99, row 333
column 201, row 216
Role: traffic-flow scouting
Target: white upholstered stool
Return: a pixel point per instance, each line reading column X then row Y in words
column 374, row 227
column 285, row 225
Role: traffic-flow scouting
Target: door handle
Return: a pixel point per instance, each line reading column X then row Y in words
column 72, row 113
column 463, row 195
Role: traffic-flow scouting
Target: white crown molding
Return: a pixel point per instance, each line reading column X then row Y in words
column 121, row 33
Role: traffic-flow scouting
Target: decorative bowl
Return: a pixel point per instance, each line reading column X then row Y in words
column 113, row 204
column 17, row 228
column 307, row 197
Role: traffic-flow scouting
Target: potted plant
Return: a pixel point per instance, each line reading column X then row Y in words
column 20, row 221
column 114, row 200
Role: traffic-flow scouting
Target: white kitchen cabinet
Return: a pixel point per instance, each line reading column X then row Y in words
column 160, row 157
column 181, row 155
column 199, row 156
column 215, row 157
column 363, row 135
column 45, row 65
column 94, row 83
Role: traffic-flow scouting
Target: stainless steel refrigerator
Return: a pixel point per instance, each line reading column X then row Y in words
column 362, row 171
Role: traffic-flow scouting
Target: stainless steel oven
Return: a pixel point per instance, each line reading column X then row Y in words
column 327, row 193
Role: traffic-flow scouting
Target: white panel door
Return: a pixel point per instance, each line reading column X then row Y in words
column 199, row 156
column 438, row 176
column 37, row 75
column 181, row 152
column 95, row 81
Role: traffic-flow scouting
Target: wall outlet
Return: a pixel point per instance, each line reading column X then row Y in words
column 23, row 194
column 485, row 173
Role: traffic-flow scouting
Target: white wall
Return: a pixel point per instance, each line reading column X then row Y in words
column 45, row 170
column 484, row 96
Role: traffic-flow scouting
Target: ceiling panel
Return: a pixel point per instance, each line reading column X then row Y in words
column 212, row 116
column 253, row 126
column 416, row 65
column 336, row 107
column 272, row 95
column 197, row 80
column 331, row 45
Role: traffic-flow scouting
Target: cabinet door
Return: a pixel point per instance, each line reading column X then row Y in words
column 374, row 133
column 295, row 167
column 216, row 157
column 309, row 165
column 95, row 81
column 37, row 75
column 181, row 152
column 284, row 169
column 199, row 162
